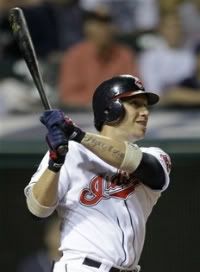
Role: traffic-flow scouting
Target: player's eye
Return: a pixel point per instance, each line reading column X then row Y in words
column 138, row 103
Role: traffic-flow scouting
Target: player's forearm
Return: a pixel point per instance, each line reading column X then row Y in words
column 109, row 150
column 45, row 190
column 42, row 197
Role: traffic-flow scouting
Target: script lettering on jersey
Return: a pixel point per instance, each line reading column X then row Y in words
column 100, row 188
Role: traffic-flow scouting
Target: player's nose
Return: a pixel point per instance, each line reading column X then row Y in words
column 144, row 111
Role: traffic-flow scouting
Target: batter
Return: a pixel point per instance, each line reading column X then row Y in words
column 105, row 186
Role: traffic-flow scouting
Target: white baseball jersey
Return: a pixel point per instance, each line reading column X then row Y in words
column 102, row 220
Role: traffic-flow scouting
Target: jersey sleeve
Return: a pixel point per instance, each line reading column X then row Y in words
column 164, row 160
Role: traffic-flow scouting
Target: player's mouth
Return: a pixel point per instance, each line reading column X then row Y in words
column 142, row 123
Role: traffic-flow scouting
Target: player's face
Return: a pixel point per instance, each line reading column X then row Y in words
column 134, row 124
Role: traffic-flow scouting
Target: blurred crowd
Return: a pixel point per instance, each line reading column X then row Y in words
column 79, row 43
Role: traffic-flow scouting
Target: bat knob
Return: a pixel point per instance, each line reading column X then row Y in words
column 62, row 150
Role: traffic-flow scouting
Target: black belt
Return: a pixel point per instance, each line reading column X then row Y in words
column 93, row 263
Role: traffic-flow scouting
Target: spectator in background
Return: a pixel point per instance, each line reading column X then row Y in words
column 135, row 20
column 146, row 15
column 54, row 26
column 42, row 260
column 69, row 22
column 123, row 12
column 5, row 4
column 187, row 92
column 93, row 60
column 168, row 6
column 169, row 62
column 129, row 15
column 190, row 17
column 9, row 49
column 189, row 11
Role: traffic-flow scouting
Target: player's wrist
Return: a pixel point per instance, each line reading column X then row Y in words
column 56, row 161
column 72, row 131
column 54, row 167
column 77, row 135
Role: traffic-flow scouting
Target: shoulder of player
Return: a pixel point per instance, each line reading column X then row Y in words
column 160, row 154
column 155, row 151
column 151, row 149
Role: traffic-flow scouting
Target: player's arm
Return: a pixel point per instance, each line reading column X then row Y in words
column 116, row 153
column 42, row 196
column 107, row 149
column 122, row 155
column 46, row 188
column 150, row 172
column 119, row 154
column 127, row 157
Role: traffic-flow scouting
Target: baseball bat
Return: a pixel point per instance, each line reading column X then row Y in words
column 23, row 38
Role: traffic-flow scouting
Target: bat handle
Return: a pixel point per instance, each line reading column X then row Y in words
column 62, row 150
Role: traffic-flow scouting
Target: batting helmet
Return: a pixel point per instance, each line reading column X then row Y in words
column 107, row 105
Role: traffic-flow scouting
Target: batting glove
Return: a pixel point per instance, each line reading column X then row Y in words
column 54, row 120
column 72, row 131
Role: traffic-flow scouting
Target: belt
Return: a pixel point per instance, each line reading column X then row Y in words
column 93, row 263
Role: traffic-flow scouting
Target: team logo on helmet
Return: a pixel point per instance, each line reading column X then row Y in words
column 138, row 83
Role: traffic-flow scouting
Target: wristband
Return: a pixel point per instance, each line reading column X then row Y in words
column 77, row 135
column 132, row 158
column 54, row 166
column 56, row 161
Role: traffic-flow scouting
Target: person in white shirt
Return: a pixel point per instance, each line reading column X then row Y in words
column 169, row 61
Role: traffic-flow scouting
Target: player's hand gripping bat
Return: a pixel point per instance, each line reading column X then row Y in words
column 23, row 38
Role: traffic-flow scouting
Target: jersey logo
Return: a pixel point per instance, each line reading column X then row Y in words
column 166, row 159
column 102, row 188
column 138, row 83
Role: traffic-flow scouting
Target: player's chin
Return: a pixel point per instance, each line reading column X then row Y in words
column 140, row 134
column 137, row 136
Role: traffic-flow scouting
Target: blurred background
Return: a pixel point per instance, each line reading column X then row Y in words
column 79, row 44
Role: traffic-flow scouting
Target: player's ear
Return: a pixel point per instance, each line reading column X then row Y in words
column 115, row 112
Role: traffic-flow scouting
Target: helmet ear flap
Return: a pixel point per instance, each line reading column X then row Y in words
column 115, row 112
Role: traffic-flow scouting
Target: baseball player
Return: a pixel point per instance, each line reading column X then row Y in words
column 105, row 186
